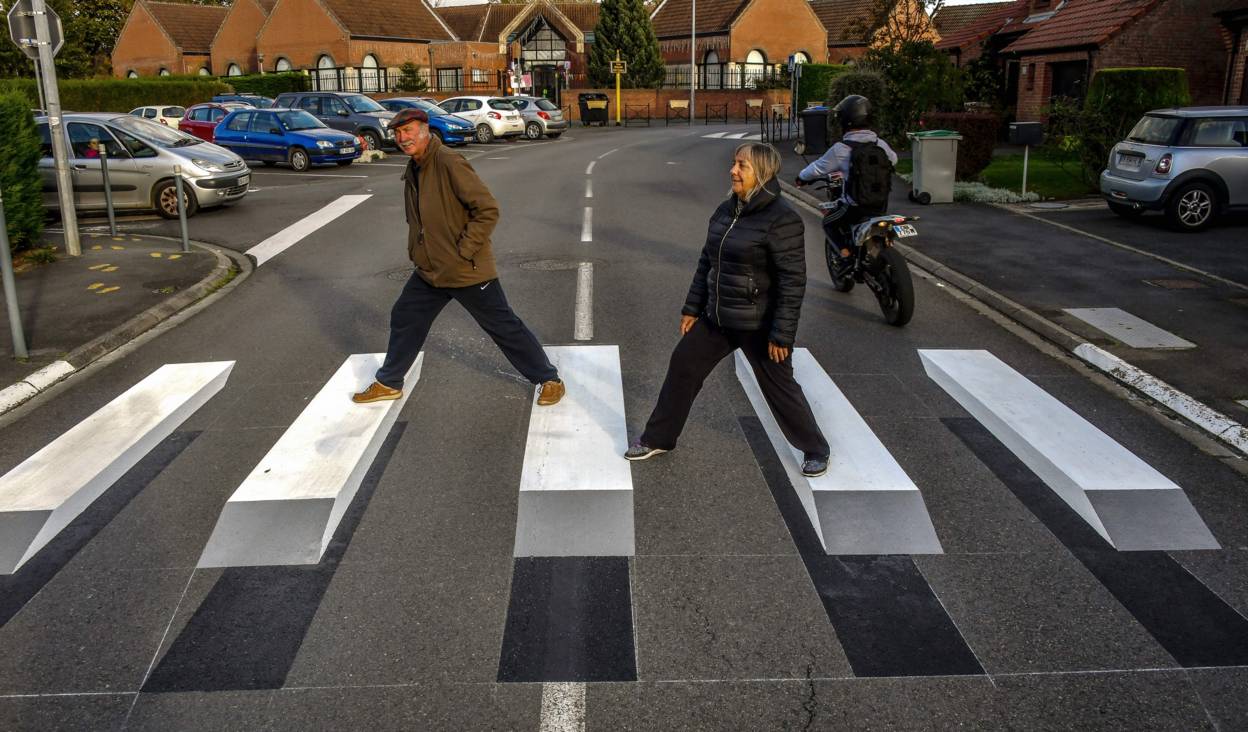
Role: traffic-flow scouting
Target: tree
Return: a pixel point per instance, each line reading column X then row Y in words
column 624, row 26
column 892, row 24
column 920, row 79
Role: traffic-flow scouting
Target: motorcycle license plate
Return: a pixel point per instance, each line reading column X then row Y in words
column 904, row 230
column 348, row 150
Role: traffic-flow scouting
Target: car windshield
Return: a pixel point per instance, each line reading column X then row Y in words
column 546, row 105
column 1154, row 130
column 297, row 119
column 432, row 110
column 361, row 103
column 502, row 105
column 154, row 132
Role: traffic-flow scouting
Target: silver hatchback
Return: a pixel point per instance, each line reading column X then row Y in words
column 541, row 117
column 142, row 157
column 1190, row 162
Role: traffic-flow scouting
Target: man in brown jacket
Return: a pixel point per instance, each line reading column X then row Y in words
column 450, row 215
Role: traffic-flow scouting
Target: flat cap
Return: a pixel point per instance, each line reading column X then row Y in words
column 411, row 114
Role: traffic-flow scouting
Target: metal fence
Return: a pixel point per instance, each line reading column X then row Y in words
column 723, row 76
column 369, row 81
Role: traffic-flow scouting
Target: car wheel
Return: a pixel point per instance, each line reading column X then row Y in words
column 299, row 160
column 438, row 134
column 165, row 199
column 484, row 134
column 371, row 139
column 533, row 131
column 1192, row 207
column 554, row 135
column 1126, row 212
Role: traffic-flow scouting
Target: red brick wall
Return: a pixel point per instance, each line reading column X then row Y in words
column 300, row 31
column 236, row 41
column 143, row 47
column 1239, row 72
column 658, row 98
column 779, row 28
column 1033, row 101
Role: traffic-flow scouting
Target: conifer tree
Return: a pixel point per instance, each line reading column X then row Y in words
column 624, row 25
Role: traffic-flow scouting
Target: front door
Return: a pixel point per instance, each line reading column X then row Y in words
column 546, row 82
column 266, row 144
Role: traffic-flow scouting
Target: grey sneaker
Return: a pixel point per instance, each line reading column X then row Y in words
column 814, row 466
column 638, row 451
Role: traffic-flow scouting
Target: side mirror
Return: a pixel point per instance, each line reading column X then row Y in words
column 343, row 113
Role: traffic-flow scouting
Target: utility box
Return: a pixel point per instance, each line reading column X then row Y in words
column 935, row 157
column 1026, row 133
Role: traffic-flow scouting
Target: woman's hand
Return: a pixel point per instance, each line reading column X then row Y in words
column 777, row 353
column 686, row 323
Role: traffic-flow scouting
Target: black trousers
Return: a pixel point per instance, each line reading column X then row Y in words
column 696, row 355
column 419, row 304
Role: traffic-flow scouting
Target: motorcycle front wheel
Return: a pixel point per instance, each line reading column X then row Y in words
column 896, row 294
column 842, row 284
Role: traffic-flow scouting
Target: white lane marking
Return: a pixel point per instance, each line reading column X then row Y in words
column 1125, row 500
column 293, row 234
column 286, row 510
column 576, row 488
column 583, row 330
column 563, row 707
column 754, row 136
column 1242, row 402
column 600, row 157
column 51, row 488
column 589, row 187
column 865, row 503
column 735, row 135
column 1128, row 329
column 715, row 135
column 590, row 168
column 498, row 158
column 305, row 175
column 1207, row 418
column 587, row 225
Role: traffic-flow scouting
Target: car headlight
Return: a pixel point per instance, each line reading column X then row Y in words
column 324, row 144
column 389, row 132
column 208, row 165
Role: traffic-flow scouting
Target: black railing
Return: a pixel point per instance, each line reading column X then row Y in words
column 723, row 76
column 381, row 81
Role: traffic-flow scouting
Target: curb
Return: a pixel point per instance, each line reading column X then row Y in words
column 230, row 266
column 1206, row 418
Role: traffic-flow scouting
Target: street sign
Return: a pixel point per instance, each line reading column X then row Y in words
column 619, row 67
column 22, row 29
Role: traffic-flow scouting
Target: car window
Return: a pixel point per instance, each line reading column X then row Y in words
column 518, row 103
column 449, row 105
column 284, row 100
column 311, row 105
column 332, row 106
column 300, row 120
column 1154, row 130
column 149, row 113
column 198, row 115
column 173, row 112
column 239, row 122
column 134, row 145
column 45, row 140
column 470, row 105
column 1217, row 132
column 262, row 122
column 361, row 104
column 502, row 105
column 86, row 139
column 432, row 110
column 216, row 115
column 547, row 106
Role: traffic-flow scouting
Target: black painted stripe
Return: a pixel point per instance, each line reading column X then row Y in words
column 887, row 618
column 1189, row 620
column 569, row 619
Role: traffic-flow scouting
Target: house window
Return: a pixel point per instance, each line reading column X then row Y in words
column 450, row 79
column 800, row 57
column 369, row 79
column 712, row 71
column 164, row 72
column 283, row 64
column 755, row 68
column 132, row 74
column 479, row 76
column 233, row 70
column 326, row 74
column 1030, row 73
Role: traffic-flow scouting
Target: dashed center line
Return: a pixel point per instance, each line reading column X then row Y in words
column 583, row 330
column 291, row 235
column 590, row 169
column 589, row 187
column 587, row 226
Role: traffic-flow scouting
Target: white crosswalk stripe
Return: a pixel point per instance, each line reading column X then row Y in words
column 742, row 136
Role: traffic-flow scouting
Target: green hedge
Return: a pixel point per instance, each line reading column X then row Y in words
column 119, row 95
column 1124, row 95
column 870, row 84
column 979, row 137
column 814, row 82
column 19, row 172
column 268, row 85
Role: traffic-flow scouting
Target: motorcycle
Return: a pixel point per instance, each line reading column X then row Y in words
column 873, row 260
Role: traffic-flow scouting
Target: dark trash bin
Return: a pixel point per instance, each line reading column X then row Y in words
column 814, row 131
column 593, row 108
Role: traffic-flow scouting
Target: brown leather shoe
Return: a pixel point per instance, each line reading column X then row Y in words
column 376, row 392
column 552, row 392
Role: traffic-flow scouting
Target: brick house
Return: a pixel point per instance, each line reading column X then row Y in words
column 234, row 45
column 167, row 38
column 950, row 19
column 1235, row 89
column 847, row 22
column 737, row 42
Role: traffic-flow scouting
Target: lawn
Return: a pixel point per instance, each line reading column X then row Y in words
column 1044, row 176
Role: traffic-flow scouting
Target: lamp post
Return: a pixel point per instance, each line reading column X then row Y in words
column 693, row 58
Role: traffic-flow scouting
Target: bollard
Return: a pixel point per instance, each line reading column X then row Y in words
column 108, row 190
column 10, row 288
column 177, row 177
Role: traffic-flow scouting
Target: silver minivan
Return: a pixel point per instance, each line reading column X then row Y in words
column 142, row 156
column 1190, row 162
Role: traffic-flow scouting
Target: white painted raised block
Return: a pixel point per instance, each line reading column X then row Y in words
column 287, row 509
column 865, row 503
column 1129, row 503
column 576, row 488
column 51, row 488
column 1129, row 330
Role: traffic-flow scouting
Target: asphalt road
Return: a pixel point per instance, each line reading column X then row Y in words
column 1028, row 619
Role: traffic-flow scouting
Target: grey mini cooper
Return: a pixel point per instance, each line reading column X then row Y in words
column 1191, row 163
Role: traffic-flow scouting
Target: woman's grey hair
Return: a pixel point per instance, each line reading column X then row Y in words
column 764, row 159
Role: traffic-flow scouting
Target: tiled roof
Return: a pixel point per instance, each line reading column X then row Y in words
column 499, row 18
column 192, row 27
column 466, row 20
column 1081, row 23
column 990, row 22
column 843, row 19
column 584, row 15
column 410, row 19
column 714, row 16
column 485, row 21
column 953, row 18
column 267, row 6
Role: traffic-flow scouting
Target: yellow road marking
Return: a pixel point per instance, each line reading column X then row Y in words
column 110, row 269
column 97, row 246
column 107, row 290
column 97, row 266
column 119, row 238
column 117, row 247
column 175, row 256
column 95, row 285
column 157, row 255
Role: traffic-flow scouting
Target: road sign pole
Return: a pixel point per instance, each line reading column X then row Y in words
column 60, row 151
column 39, row 87
column 10, row 288
column 693, row 58
column 617, row 87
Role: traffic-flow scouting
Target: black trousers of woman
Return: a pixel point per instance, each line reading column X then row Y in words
column 696, row 355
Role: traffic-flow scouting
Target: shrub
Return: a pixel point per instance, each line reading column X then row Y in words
column 269, row 85
column 979, row 137
column 920, row 79
column 20, row 181
column 119, row 95
column 870, row 84
column 410, row 79
column 815, row 81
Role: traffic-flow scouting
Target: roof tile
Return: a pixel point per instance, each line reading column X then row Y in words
column 714, row 16
column 411, row 19
column 1081, row 23
column 843, row 19
column 192, row 27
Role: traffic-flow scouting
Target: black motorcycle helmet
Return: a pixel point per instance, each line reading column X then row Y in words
column 852, row 112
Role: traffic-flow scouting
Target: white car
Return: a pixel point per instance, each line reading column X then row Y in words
column 492, row 116
column 167, row 116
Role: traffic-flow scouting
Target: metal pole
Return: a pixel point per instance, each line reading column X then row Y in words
column 693, row 58
column 60, row 151
column 10, row 289
column 177, row 177
column 108, row 188
column 1026, row 149
column 39, row 87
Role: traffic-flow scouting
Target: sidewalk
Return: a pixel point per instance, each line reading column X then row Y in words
column 76, row 309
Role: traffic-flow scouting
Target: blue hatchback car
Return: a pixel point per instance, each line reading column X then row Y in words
column 291, row 136
column 446, row 127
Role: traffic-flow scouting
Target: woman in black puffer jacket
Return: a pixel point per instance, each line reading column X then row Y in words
column 747, row 294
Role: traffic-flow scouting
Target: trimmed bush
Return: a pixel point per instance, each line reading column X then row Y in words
column 268, row 85
column 119, row 95
column 979, row 137
column 19, row 172
column 815, row 81
column 870, row 84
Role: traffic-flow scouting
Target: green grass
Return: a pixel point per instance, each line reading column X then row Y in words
column 1044, row 176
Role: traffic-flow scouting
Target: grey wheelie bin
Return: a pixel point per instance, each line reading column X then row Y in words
column 935, row 156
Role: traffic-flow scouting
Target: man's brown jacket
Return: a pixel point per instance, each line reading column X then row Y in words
column 450, row 215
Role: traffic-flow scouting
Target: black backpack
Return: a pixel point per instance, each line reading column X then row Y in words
column 870, row 176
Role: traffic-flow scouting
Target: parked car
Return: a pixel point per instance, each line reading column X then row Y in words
column 541, row 117
column 256, row 100
column 168, row 116
column 291, row 136
column 446, row 127
column 346, row 111
column 492, row 116
column 1190, row 162
column 201, row 120
column 142, row 158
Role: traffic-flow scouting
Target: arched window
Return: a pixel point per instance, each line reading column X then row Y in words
column 369, row 81
column 800, row 57
column 283, row 64
column 712, row 71
column 203, row 71
column 132, row 74
column 326, row 74
column 164, row 72
column 755, row 67
column 234, row 70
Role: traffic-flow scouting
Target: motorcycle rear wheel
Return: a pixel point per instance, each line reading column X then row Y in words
column 897, row 296
column 842, row 284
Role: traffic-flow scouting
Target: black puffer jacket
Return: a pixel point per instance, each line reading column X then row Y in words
column 752, row 272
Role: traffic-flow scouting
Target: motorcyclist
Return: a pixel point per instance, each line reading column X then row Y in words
column 853, row 113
